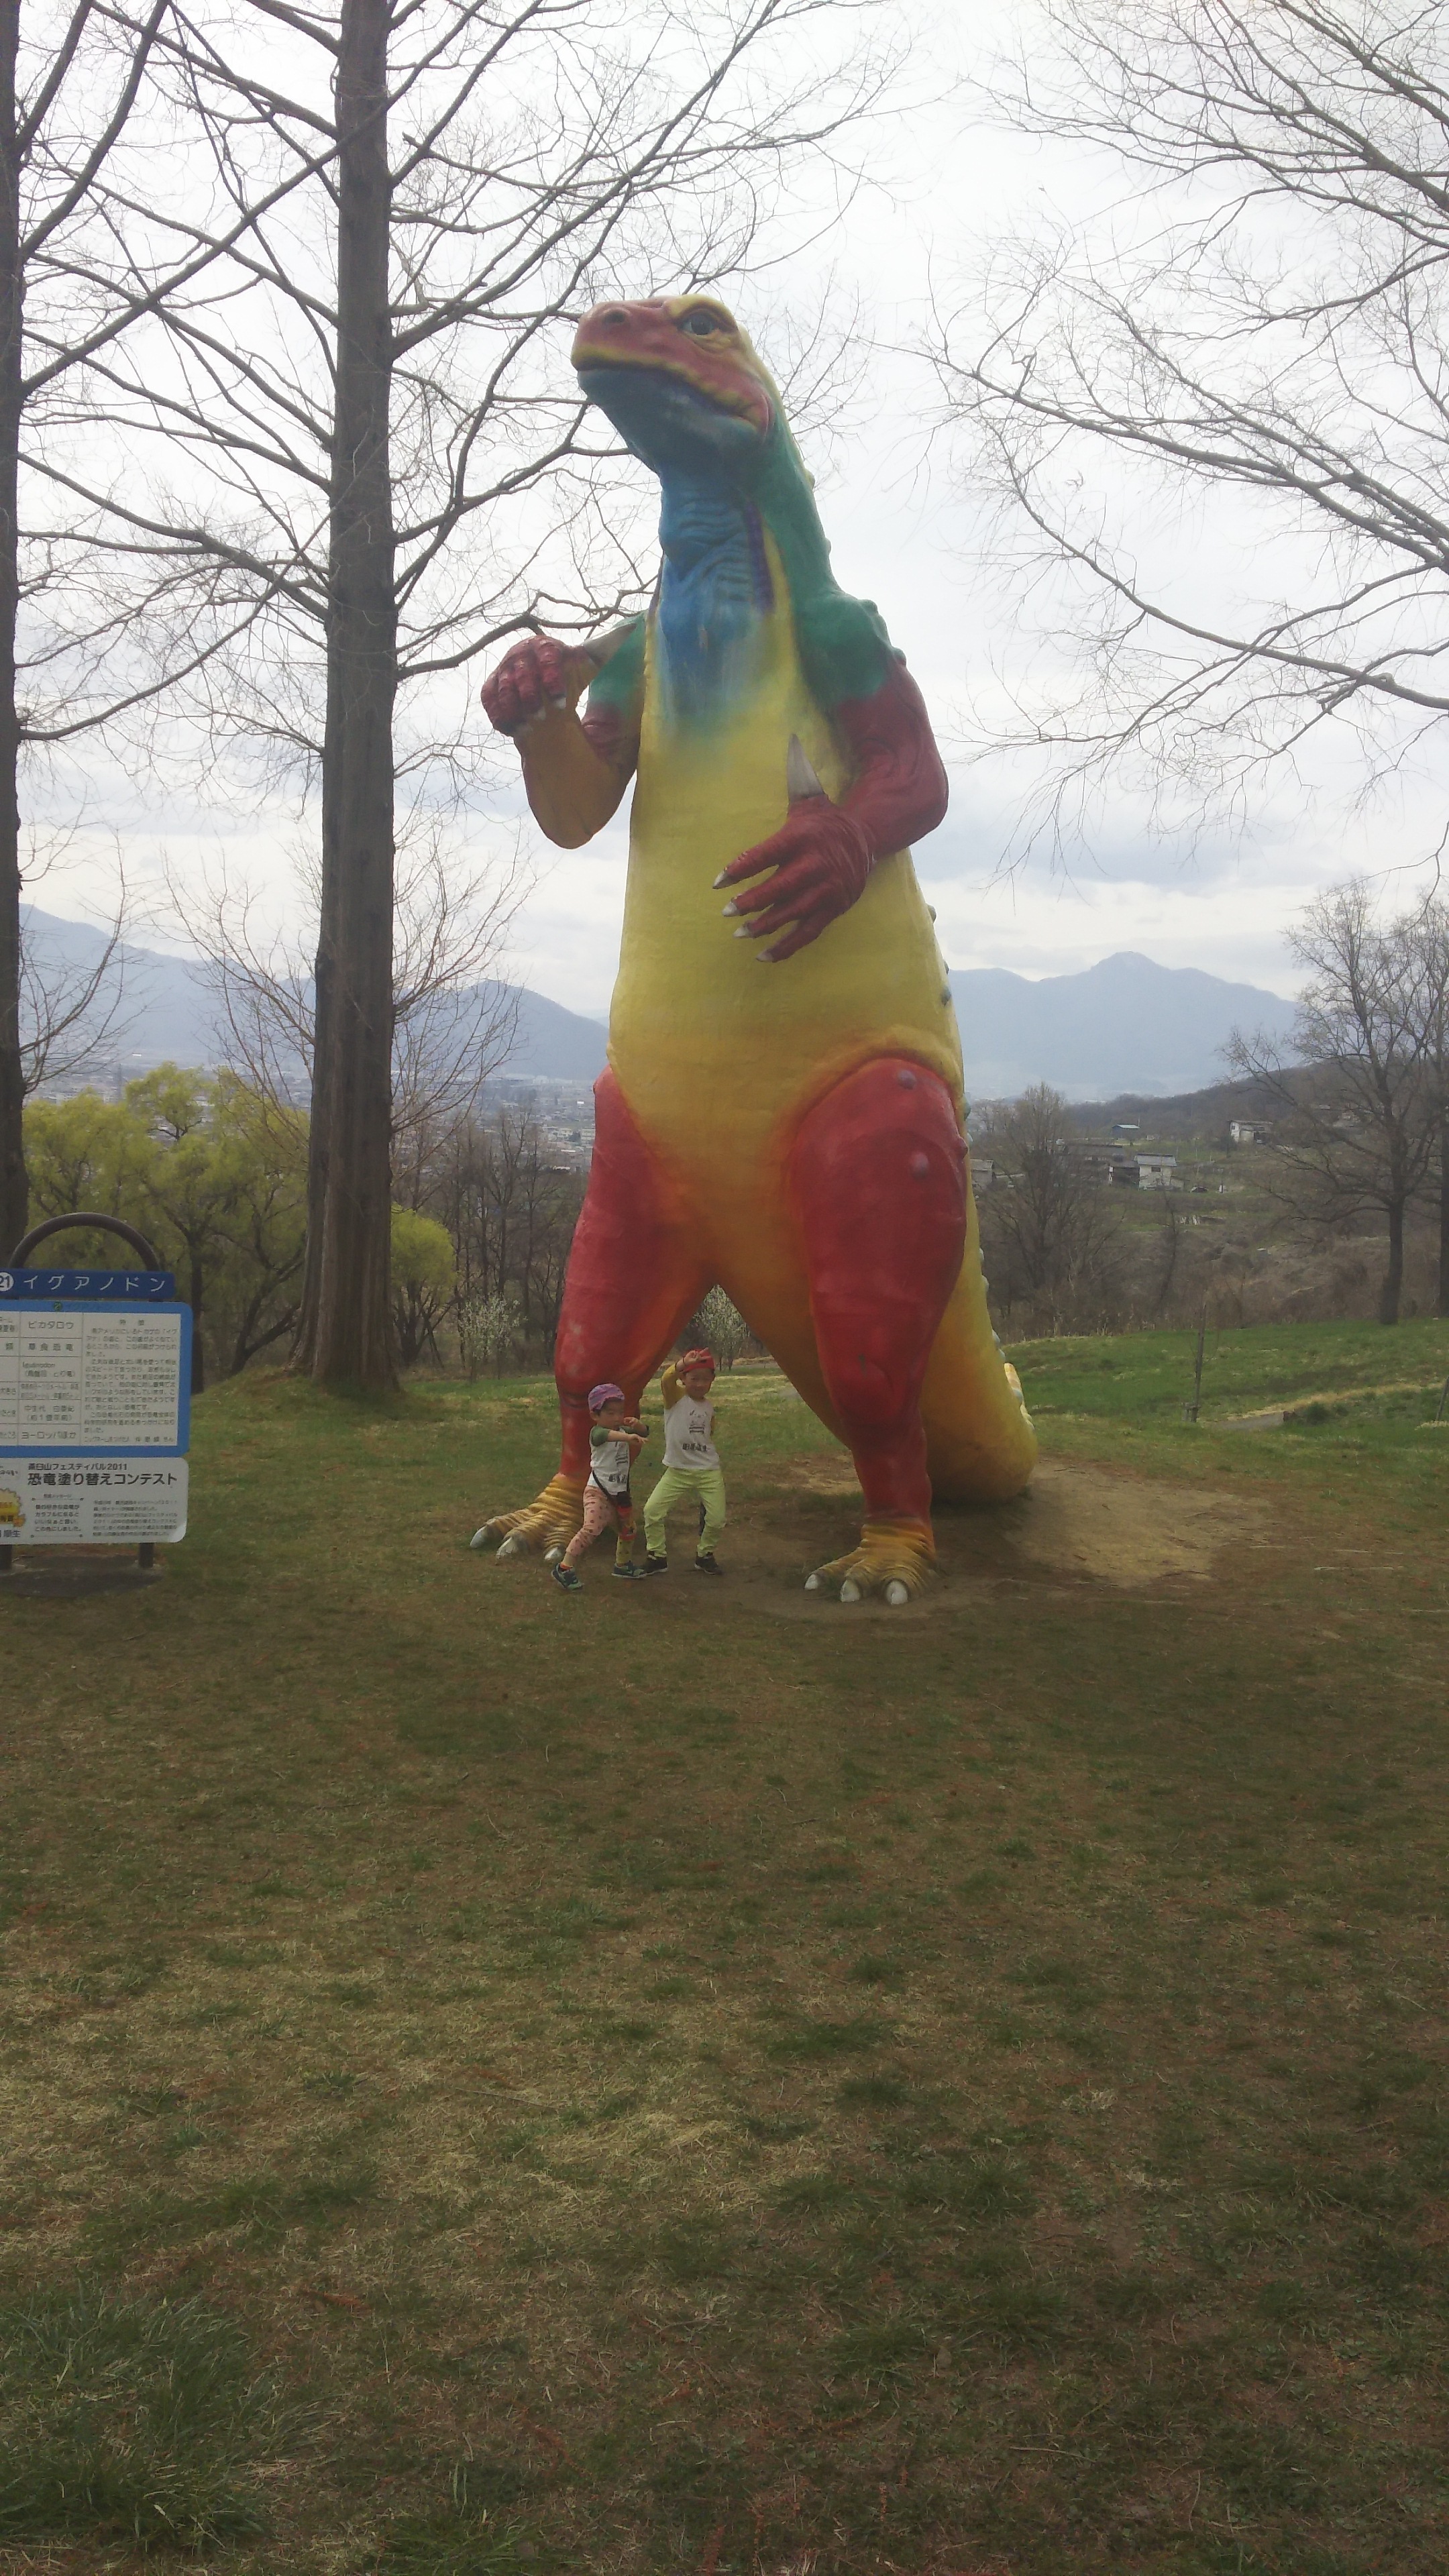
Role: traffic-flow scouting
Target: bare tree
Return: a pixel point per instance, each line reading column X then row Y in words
column 454, row 1018
column 1429, row 935
column 1259, row 322
column 373, row 383
column 69, row 1009
column 1048, row 1226
column 1355, row 1115
column 68, row 86
column 511, row 1213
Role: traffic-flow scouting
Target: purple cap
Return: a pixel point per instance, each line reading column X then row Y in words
column 599, row 1396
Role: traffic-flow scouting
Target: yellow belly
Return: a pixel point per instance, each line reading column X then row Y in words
column 719, row 1056
column 717, row 1053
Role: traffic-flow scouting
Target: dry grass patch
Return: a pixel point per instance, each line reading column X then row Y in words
column 650, row 2088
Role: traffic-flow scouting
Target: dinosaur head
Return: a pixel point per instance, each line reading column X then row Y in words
column 680, row 382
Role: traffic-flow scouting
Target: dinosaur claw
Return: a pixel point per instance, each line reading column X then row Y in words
column 731, row 910
column 850, row 1591
column 722, row 879
column 896, row 1594
column 812, row 1583
column 511, row 1547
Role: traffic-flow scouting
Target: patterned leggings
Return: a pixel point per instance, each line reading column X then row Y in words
column 599, row 1510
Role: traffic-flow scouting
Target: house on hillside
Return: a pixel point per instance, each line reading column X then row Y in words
column 1156, row 1171
column 1241, row 1131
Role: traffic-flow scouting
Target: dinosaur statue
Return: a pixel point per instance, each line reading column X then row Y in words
column 796, row 1135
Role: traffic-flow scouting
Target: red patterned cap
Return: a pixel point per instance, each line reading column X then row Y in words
column 697, row 1359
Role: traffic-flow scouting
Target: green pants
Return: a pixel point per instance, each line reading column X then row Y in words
column 686, row 1485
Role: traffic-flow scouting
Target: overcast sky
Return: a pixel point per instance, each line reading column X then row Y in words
column 904, row 533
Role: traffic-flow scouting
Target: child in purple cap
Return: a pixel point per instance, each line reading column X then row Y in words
column 615, row 1438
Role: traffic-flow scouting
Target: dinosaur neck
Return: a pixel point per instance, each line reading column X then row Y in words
column 715, row 593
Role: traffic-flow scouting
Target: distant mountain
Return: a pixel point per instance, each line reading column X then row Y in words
column 1125, row 1025
column 165, row 1012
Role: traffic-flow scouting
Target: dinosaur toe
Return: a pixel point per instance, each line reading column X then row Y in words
column 549, row 1521
column 895, row 1558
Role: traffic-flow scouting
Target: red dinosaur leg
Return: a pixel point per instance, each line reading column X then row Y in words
column 879, row 1183
column 636, row 1273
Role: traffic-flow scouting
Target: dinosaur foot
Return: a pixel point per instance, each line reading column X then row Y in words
column 549, row 1521
column 895, row 1558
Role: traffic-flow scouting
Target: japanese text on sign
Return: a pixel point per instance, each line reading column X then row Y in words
column 77, row 1377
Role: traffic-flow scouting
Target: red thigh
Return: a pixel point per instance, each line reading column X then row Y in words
column 636, row 1272
column 879, row 1180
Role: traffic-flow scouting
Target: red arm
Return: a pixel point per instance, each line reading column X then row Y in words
column 824, row 853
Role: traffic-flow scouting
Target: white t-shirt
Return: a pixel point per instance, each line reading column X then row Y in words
column 687, row 1428
column 610, row 1459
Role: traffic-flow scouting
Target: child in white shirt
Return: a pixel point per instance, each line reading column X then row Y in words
column 692, row 1471
column 614, row 1442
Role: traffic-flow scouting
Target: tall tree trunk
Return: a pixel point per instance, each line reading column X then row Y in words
column 14, row 1187
column 343, row 1337
column 1443, row 1300
column 1393, row 1287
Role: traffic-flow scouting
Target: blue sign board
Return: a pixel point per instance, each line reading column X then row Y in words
column 124, row 1287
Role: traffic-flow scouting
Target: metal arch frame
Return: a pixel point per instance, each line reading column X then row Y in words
column 84, row 1219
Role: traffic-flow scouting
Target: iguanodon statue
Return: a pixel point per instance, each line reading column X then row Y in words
column 783, row 1110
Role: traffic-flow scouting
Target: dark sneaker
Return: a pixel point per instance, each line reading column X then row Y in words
column 566, row 1579
column 707, row 1565
column 656, row 1565
column 630, row 1574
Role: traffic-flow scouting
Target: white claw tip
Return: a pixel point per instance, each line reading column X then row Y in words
column 510, row 1547
column 554, row 1556
column 812, row 1582
column 480, row 1537
column 850, row 1592
column 731, row 911
column 722, row 879
column 800, row 778
column 896, row 1593
column 742, row 933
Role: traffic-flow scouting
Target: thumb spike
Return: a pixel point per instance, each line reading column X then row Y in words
column 800, row 778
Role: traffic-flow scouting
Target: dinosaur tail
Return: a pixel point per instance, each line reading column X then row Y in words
column 980, row 1444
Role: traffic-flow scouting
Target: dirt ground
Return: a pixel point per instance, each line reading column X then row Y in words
column 1075, row 1523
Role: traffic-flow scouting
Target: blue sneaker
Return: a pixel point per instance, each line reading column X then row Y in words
column 566, row 1579
column 630, row 1574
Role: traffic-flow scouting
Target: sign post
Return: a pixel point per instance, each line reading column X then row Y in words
column 95, row 1402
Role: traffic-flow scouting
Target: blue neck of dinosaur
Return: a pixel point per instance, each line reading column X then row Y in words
column 715, row 593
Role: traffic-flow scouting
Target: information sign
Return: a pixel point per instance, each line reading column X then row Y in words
column 113, row 1501
column 95, row 1420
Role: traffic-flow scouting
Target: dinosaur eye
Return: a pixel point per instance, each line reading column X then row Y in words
column 701, row 325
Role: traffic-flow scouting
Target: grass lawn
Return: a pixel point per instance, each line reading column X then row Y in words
column 700, row 2078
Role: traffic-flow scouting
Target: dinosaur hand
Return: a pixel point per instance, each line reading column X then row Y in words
column 821, row 858
column 533, row 677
